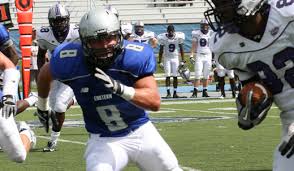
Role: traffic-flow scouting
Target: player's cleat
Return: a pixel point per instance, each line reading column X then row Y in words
column 204, row 93
column 194, row 95
column 175, row 95
column 168, row 96
column 222, row 96
column 51, row 146
column 233, row 94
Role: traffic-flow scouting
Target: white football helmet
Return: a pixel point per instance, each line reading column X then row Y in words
column 184, row 72
column 224, row 14
column 112, row 9
column 59, row 17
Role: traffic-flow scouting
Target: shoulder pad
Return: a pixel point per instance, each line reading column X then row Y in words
column 43, row 32
column 161, row 37
column 67, row 61
column 149, row 34
column 180, row 35
column 138, row 59
column 126, row 28
column 74, row 32
column 195, row 35
column 284, row 8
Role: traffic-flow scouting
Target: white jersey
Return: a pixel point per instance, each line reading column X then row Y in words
column 126, row 28
column 47, row 40
column 171, row 45
column 271, row 58
column 202, row 41
column 144, row 38
column 61, row 94
column 34, row 50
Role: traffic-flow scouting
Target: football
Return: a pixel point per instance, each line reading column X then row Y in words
column 259, row 92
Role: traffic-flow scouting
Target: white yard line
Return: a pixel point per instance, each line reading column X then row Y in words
column 63, row 140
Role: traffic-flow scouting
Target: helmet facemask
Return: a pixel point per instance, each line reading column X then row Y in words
column 59, row 17
column 229, row 15
column 139, row 30
column 60, row 27
column 103, row 55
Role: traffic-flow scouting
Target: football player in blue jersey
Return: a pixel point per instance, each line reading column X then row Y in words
column 114, row 84
column 6, row 45
column 61, row 95
column 15, row 140
column 8, row 49
column 255, row 38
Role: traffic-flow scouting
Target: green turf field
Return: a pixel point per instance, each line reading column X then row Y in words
column 203, row 135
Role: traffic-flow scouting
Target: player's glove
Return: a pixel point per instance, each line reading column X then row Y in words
column 213, row 64
column 8, row 106
column 287, row 146
column 161, row 65
column 192, row 60
column 115, row 86
column 251, row 114
column 183, row 63
column 43, row 118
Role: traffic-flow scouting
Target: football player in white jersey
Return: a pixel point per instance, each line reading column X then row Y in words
column 255, row 38
column 143, row 36
column 170, row 42
column 202, row 60
column 126, row 27
column 126, row 30
column 61, row 95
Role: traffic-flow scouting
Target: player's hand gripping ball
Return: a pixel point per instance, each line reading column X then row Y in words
column 259, row 93
column 253, row 103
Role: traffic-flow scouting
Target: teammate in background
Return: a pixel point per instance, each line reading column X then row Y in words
column 170, row 42
column 126, row 30
column 143, row 36
column 126, row 27
column 8, row 49
column 255, row 38
column 34, row 65
column 113, row 84
column 222, row 72
column 61, row 95
column 202, row 60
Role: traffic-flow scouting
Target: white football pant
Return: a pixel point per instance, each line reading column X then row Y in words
column 60, row 96
column 202, row 65
column 145, row 147
column 171, row 66
column 10, row 140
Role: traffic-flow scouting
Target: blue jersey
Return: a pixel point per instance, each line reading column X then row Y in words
column 105, row 113
column 5, row 41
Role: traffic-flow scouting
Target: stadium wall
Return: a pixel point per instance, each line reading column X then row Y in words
column 156, row 28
